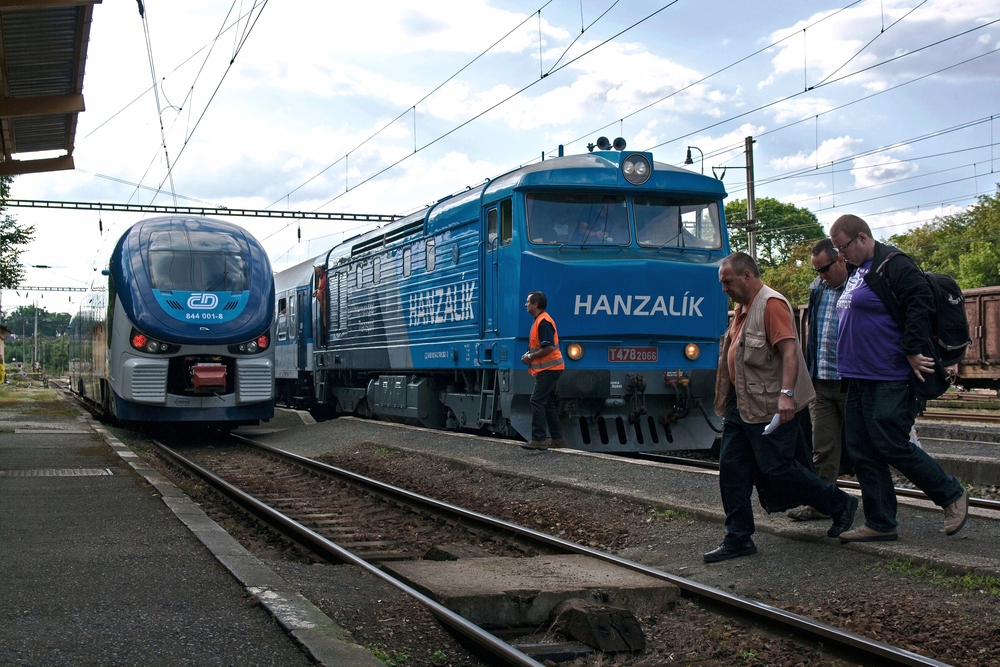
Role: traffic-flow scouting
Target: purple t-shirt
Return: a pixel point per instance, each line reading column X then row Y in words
column 869, row 344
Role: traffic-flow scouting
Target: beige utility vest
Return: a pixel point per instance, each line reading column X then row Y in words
column 758, row 368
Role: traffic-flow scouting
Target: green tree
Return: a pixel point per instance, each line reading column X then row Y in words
column 22, row 322
column 55, row 354
column 13, row 237
column 965, row 245
column 781, row 228
column 793, row 277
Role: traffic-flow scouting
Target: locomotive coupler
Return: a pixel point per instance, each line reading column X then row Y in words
column 635, row 397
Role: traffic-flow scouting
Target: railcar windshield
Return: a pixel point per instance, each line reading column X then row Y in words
column 577, row 219
column 672, row 222
column 196, row 261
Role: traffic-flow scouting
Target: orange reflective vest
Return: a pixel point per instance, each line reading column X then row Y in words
column 553, row 361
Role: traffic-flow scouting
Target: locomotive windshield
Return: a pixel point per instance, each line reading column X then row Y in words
column 196, row 261
column 675, row 223
column 582, row 219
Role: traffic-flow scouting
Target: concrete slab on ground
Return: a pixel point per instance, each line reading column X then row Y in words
column 510, row 592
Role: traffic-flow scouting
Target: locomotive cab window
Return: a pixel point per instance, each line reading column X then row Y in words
column 196, row 261
column 506, row 222
column 491, row 229
column 675, row 223
column 577, row 219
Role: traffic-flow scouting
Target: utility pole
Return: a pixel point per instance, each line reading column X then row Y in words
column 751, row 202
column 34, row 351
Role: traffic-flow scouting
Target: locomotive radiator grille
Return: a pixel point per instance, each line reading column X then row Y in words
column 147, row 380
column 254, row 380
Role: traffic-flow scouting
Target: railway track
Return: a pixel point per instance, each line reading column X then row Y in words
column 314, row 522
column 961, row 417
column 901, row 492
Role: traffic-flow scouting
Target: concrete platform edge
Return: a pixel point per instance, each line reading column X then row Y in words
column 319, row 636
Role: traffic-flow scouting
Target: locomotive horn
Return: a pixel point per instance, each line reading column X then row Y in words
column 619, row 144
column 603, row 143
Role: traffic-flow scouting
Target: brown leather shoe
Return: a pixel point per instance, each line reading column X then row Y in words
column 537, row 444
column 956, row 514
column 558, row 442
column 866, row 534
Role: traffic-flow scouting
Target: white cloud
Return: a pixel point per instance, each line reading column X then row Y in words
column 829, row 150
column 833, row 44
column 871, row 170
column 798, row 108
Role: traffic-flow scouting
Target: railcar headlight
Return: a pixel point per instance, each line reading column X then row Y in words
column 692, row 351
column 574, row 351
column 253, row 346
column 636, row 169
column 144, row 343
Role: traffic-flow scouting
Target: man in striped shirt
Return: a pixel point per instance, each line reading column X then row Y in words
column 827, row 411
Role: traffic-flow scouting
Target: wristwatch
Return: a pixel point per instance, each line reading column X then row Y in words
column 788, row 392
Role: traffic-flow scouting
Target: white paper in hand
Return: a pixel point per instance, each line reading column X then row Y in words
column 775, row 421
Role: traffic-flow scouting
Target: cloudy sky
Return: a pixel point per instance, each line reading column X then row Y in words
column 889, row 109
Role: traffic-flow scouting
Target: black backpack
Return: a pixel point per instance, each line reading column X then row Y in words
column 949, row 324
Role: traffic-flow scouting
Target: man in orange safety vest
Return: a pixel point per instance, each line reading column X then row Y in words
column 545, row 363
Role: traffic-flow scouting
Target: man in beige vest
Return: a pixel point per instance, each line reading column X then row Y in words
column 761, row 383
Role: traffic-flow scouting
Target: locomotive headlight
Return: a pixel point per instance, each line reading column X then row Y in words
column 144, row 343
column 692, row 351
column 253, row 346
column 636, row 169
column 574, row 351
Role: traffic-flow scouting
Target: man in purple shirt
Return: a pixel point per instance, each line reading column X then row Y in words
column 884, row 329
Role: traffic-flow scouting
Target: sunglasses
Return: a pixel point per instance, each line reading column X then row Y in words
column 824, row 269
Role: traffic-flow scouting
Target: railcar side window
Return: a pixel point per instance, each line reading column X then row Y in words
column 430, row 260
column 282, row 319
column 577, row 219
column 676, row 223
column 407, row 260
column 194, row 261
column 377, row 270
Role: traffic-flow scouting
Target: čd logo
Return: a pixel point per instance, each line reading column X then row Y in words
column 202, row 301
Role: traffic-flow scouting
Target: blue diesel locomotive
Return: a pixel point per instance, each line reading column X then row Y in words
column 422, row 320
column 183, row 331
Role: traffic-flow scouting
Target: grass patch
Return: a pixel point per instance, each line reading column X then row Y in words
column 14, row 394
column 968, row 583
column 390, row 658
column 669, row 515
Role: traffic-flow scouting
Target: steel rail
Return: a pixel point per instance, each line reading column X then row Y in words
column 965, row 417
column 503, row 651
column 982, row 503
column 845, row 640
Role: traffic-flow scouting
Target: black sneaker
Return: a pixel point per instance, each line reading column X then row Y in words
column 843, row 521
column 727, row 551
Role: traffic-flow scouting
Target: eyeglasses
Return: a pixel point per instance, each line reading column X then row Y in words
column 842, row 248
column 824, row 269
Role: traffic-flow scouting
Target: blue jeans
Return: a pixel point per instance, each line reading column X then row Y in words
column 543, row 406
column 748, row 456
column 879, row 417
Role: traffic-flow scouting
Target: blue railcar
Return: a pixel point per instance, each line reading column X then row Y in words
column 298, row 322
column 184, row 329
column 426, row 323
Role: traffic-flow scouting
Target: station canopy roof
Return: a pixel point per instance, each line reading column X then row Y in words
column 43, row 51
